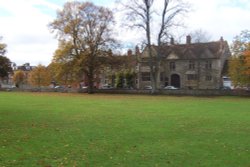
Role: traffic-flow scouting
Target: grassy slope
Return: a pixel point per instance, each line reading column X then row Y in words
column 122, row 130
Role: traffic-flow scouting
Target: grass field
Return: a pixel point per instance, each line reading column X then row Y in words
column 57, row 129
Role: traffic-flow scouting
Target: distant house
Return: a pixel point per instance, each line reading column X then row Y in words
column 187, row 66
column 26, row 68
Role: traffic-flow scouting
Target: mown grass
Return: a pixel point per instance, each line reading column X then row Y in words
column 57, row 129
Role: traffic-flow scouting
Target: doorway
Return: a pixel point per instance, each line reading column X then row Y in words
column 175, row 80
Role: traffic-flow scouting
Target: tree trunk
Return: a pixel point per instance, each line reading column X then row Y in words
column 91, row 82
column 151, row 64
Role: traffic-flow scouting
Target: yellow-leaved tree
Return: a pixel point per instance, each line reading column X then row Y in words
column 246, row 55
column 87, row 29
column 63, row 67
column 39, row 76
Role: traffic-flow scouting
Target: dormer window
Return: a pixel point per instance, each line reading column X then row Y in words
column 172, row 66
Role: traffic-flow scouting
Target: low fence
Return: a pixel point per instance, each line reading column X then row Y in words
column 180, row 92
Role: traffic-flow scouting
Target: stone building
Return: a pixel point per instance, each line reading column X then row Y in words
column 121, row 67
column 186, row 66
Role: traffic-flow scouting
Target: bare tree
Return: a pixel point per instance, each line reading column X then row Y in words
column 2, row 47
column 141, row 14
column 200, row 36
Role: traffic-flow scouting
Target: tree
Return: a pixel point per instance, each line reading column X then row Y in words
column 240, row 43
column 63, row 67
column 39, row 76
column 236, row 71
column 3, row 47
column 140, row 15
column 129, row 76
column 5, row 67
column 5, row 63
column 247, row 60
column 246, row 63
column 19, row 78
column 119, row 80
column 200, row 36
column 239, row 64
column 87, row 28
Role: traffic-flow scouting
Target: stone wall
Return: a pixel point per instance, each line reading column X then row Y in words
column 208, row 92
column 201, row 92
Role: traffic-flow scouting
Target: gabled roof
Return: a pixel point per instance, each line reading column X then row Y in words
column 209, row 50
column 196, row 50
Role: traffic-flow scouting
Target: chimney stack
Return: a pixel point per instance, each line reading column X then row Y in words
column 172, row 41
column 188, row 39
column 221, row 39
column 129, row 53
column 137, row 51
column 221, row 43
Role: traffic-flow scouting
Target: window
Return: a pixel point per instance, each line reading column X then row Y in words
column 172, row 65
column 145, row 76
column 191, row 65
column 191, row 77
column 208, row 78
column 208, row 65
column 137, row 67
column 162, row 76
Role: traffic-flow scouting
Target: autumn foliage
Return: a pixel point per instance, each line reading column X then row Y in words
column 39, row 76
column 84, row 29
column 239, row 64
column 246, row 55
column 19, row 78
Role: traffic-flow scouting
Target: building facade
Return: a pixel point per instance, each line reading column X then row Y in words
column 121, row 72
column 186, row 66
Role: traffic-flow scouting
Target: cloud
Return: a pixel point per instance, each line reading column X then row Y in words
column 220, row 18
column 25, row 31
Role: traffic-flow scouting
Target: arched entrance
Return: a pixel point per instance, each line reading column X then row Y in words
column 175, row 80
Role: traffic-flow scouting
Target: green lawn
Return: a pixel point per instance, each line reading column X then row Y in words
column 59, row 129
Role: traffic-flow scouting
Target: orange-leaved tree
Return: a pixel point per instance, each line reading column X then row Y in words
column 19, row 78
column 239, row 64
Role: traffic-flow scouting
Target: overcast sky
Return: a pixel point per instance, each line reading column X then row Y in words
column 23, row 25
